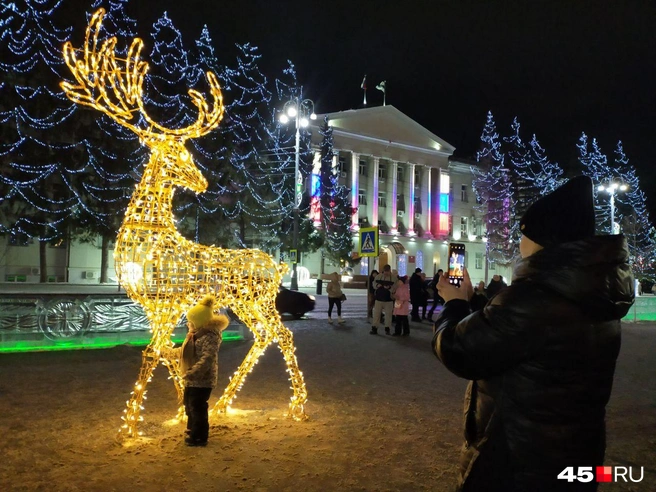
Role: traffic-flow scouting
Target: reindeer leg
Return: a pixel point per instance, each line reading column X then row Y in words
column 263, row 337
column 149, row 361
column 173, row 365
column 286, row 344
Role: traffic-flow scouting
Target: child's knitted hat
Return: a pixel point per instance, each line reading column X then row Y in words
column 201, row 314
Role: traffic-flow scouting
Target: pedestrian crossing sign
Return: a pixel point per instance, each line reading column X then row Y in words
column 369, row 241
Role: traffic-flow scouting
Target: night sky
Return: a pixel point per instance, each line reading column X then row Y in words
column 562, row 67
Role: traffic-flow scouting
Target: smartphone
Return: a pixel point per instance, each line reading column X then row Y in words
column 456, row 263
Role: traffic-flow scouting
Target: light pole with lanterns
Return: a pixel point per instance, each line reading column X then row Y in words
column 612, row 189
column 301, row 111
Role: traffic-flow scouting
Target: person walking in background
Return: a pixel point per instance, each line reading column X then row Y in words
column 383, row 293
column 423, row 295
column 402, row 307
column 199, row 365
column 334, row 291
column 541, row 355
column 415, row 294
column 495, row 286
column 371, row 298
column 479, row 299
column 437, row 300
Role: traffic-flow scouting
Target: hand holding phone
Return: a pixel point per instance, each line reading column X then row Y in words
column 449, row 291
column 456, row 263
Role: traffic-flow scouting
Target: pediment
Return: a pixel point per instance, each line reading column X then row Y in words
column 386, row 123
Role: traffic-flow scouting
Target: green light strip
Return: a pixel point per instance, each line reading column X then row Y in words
column 95, row 343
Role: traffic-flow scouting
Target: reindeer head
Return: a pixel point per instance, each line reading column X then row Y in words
column 171, row 162
column 114, row 87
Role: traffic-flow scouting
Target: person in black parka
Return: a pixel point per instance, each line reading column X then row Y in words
column 416, row 296
column 541, row 354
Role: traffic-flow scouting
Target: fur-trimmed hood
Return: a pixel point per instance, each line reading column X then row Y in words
column 216, row 325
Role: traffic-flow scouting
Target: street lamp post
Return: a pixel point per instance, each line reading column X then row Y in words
column 299, row 110
column 612, row 189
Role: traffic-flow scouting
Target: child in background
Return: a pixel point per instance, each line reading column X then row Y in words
column 199, row 365
column 402, row 307
column 334, row 291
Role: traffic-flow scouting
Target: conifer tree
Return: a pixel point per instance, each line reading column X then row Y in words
column 335, row 206
column 595, row 165
column 115, row 155
column 39, row 152
column 632, row 215
column 493, row 189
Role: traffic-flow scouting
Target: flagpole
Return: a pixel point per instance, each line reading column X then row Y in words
column 383, row 88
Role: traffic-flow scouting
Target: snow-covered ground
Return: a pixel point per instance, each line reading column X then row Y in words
column 384, row 415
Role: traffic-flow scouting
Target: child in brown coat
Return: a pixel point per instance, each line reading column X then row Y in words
column 199, row 365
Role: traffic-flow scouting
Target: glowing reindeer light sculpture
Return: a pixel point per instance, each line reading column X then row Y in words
column 160, row 269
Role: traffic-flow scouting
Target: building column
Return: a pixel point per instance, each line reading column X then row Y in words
column 393, row 169
column 411, row 199
column 355, row 185
column 429, row 204
column 315, row 190
column 374, row 205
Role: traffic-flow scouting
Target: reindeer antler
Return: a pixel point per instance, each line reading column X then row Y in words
column 105, row 86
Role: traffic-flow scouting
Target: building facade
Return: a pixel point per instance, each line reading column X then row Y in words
column 404, row 179
column 401, row 177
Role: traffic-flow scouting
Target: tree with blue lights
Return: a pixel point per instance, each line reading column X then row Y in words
column 115, row 155
column 493, row 187
column 335, row 205
column 633, row 217
column 546, row 174
column 39, row 152
column 595, row 165
column 532, row 174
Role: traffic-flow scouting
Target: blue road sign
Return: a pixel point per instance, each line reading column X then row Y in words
column 369, row 241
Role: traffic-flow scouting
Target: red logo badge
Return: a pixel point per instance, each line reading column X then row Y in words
column 604, row 474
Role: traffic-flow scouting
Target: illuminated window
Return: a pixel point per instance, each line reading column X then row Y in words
column 444, row 183
column 362, row 197
column 341, row 165
column 402, row 265
column 364, row 266
column 464, row 230
column 479, row 261
column 362, row 168
column 382, row 199
column 444, row 203
column 20, row 239
column 382, row 172
column 444, row 222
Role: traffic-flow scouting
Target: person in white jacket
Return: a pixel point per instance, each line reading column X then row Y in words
column 335, row 297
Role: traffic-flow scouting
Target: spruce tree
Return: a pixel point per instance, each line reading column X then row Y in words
column 632, row 215
column 595, row 165
column 493, row 189
column 39, row 153
column 335, row 205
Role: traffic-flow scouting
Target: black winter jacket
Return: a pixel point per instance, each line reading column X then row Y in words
column 541, row 357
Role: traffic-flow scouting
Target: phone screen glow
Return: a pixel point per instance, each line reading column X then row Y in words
column 456, row 261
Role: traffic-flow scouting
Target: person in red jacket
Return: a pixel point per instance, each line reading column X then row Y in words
column 541, row 354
